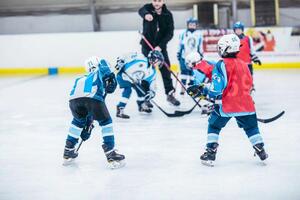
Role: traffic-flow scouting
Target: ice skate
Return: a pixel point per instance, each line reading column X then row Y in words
column 121, row 114
column 143, row 108
column 171, row 99
column 149, row 104
column 69, row 153
column 209, row 156
column 260, row 151
column 114, row 159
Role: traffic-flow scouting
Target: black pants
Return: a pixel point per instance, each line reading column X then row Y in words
column 166, row 74
column 84, row 107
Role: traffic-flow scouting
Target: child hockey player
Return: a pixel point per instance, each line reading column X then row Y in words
column 230, row 90
column 201, row 72
column 189, row 41
column 87, row 104
column 201, row 69
column 247, row 52
column 136, row 72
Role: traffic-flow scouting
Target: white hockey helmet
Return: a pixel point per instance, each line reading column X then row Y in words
column 192, row 58
column 228, row 44
column 92, row 64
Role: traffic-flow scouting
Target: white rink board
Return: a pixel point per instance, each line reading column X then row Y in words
column 71, row 49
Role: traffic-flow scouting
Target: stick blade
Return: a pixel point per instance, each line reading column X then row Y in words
column 268, row 120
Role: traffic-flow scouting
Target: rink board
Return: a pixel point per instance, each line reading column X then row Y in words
column 80, row 70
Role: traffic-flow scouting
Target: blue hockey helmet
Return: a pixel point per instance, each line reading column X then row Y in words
column 238, row 25
column 156, row 58
column 192, row 20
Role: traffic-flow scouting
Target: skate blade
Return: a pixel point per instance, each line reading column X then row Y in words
column 68, row 161
column 116, row 164
column 261, row 162
column 208, row 163
column 145, row 113
column 172, row 105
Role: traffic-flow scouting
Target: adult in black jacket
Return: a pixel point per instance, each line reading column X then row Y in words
column 158, row 28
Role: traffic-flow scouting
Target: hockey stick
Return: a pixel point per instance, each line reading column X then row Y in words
column 175, row 114
column 89, row 126
column 268, row 120
column 265, row 121
column 79, row 146
column 168, row 67
column 179, row 112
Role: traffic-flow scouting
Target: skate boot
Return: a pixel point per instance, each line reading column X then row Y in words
column 114, row 159
column 260, row 151
column 149, row 104
column 209, row 156
column 172, row 99
column 69, row 153
column 120, row 113
column 144, row 108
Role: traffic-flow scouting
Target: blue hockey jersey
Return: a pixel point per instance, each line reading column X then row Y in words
column 91, row 85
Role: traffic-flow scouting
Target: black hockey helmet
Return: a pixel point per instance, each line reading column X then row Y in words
column 156, row 58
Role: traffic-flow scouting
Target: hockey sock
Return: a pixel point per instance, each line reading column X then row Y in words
column 109, row 141
column 75, row 130
column 212, row 138
column 107, row 132
column 256, row 139
column 183, row 81
column 72, row 140
column 254, row 136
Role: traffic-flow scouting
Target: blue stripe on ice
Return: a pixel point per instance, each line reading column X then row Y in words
column 52, row 70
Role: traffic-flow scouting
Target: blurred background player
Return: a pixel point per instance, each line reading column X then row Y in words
column 202, row 73
column 201, row 69
column 86, row 103
column 135, row 67
column 230, row 90
column 158, row 28
column 247, row 51
column 190, row 41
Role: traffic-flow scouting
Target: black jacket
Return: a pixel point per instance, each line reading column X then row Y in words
column 160, row 30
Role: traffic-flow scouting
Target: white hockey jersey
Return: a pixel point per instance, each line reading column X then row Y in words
column 190, row 42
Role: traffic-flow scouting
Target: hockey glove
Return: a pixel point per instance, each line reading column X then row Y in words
column 196, row 90
column 255, row 59
column 145, row 85
column 86, row 132
column 110, row 83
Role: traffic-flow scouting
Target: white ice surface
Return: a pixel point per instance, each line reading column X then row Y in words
column 162, row 154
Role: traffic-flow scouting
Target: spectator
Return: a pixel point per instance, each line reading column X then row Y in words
column 158, row 28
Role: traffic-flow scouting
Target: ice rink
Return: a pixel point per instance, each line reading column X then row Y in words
column 162, row 154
